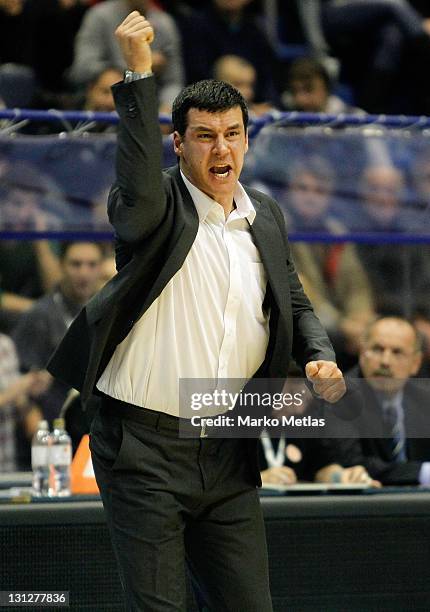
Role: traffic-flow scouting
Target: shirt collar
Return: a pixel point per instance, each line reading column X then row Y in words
column 203, row 203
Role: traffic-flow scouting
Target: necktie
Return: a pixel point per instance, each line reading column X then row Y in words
column 395, row 432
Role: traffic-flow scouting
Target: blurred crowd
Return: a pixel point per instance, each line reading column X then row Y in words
column 372, row 54
column 330, row 56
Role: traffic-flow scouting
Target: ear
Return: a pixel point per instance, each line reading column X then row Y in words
column 416, row 363
column 177, row 144
column 246, row 142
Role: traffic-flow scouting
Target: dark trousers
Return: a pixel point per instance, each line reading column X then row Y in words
column 171, row 500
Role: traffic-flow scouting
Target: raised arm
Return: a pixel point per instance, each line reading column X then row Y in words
column 137, row 203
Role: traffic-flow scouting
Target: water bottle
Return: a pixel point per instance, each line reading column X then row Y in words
column 40, row 459
column 60, row 461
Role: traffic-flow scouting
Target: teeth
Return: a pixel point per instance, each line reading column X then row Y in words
column 216, row 171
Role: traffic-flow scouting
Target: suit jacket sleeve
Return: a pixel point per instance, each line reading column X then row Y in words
column 137, row 203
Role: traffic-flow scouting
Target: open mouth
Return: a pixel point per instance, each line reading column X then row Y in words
column 221, row 172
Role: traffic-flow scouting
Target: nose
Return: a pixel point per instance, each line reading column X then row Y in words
column 386, row 357
column 220, row 146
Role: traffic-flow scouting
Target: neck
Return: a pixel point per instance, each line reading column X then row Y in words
column 70, row 296
column 228, row 208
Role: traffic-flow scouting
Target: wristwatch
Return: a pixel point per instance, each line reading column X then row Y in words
column 130, row 75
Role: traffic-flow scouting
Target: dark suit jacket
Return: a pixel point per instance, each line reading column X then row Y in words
column 365, row 439
column 156, row 222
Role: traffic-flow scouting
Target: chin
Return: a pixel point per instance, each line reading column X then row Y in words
column 387, row 385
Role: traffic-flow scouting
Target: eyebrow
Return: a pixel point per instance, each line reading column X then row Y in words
column 203, row 128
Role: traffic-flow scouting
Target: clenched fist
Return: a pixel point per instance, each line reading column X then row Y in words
column 134, row 35
column 327, row 380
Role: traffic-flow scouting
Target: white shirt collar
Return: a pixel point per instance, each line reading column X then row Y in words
column 203, row 203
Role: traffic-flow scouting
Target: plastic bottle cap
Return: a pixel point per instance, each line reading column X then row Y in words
column 43, row 425
column 59, row 423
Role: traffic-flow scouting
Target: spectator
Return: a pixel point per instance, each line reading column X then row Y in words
column 383, row 200
column 384, row 439
column 371, row 39
column 309, row 89
column 242, row 75
column 40, row 329
column 307, row 198
column 98, row 96
column 18, row 412
column 27, row 270
column 400, row 277
column 285, row 461
column 96, row 46
column 30, row 201
column 226, row 28
column 332, row 274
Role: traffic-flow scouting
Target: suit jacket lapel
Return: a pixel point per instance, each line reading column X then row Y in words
column 270, row 244
column 184, row 231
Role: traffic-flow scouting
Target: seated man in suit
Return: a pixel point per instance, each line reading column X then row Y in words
column 389, row 438
column 285, row 462
column 285, row 459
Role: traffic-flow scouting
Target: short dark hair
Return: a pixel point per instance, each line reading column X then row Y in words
column 208, row 95
column 307, row 69
column 67, row 244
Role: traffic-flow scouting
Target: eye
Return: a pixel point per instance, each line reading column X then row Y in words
column 204, row 136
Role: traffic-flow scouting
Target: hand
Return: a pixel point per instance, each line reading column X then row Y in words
column 134, row 35
column 327, row 380
column 42, row 380
column 279, row 475
column 357, row 474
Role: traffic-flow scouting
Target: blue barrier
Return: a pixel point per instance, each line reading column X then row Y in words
column 64, row 181
column 286, row 118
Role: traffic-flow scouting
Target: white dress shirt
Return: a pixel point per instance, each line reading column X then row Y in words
column 208, row 322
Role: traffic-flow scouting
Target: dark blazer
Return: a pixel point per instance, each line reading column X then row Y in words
column 155, row 223
column 365, row 440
